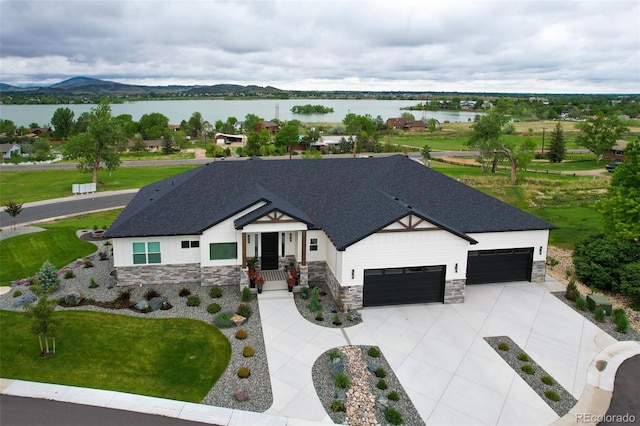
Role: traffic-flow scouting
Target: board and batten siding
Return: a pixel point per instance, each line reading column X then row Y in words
column 404, row 249
column 513, row 239
column 171, row 251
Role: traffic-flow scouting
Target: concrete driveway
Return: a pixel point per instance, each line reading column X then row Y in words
column 438, row 352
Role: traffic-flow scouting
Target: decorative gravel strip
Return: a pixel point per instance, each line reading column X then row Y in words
column 329, row 309
column 607, row 326
column 19, row 230
column 363, row 396
column 510, row 355
column 257, row 386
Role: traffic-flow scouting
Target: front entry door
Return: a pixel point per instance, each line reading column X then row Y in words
column 269, row 243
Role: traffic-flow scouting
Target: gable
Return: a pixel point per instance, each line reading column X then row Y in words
column 410, row 223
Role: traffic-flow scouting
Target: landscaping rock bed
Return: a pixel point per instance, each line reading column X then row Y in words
column 509, row 351
column 364, row 403
column 256, row 387
column 328, row 308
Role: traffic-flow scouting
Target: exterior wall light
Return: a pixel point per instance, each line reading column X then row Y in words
column 353, row 273
column 456, row 268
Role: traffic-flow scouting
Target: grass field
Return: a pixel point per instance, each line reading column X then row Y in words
column 34, row 185
column 177, row 359
column 23, row 255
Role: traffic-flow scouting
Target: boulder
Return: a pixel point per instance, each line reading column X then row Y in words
column 74, row 298
column 382, row 402
column 24, row 300
column 156, row 303
column 240, row 395
column 372, row 368
column 337, row 366
column 142, row 305
column 238, row 320
column 341, row 394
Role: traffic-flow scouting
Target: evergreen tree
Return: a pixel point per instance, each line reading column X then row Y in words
column 48, row 278
column 557, row 150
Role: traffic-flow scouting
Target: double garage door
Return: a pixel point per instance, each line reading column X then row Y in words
column 397, row 286
column 496, row 266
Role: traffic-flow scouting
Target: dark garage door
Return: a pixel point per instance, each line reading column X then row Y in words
column 397, row 286
column 497, row 266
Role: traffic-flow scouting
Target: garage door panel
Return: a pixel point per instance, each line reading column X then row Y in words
column 492, row 266
column 395, row 286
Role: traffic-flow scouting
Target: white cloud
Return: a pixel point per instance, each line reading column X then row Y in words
column 464, row 45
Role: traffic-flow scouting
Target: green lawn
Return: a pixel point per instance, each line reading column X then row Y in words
column 177, row 359
column 574, row 223
column 23, row 255
column 34, row 185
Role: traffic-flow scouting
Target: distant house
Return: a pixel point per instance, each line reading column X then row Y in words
column 152, row 146
column 405, row 124
column 617, row 152
column 10, row 148
column 37, row 131
column 174, row 127
column 326, row 142
column 227, row 139
column 468, row 104
column 271, row 126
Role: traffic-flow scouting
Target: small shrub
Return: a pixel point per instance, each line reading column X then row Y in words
column 551, row 261
column 338, row 405
column 68, row 274
column 117, row 306
column 95, row 227
column 581, row 303
column 334, row 353
column 572, row 292
column 314, row 304
column 621, row 321
column 552, row 395
column 568, row 273
column 304, row 292
column 248, row 351
column 373, row 352
column 184, row 292
column 241, row 334
column 215, row 292
column 244, row 310
column 213, row 308
column 88, row 264
column 244, row 372
column 392, row 416
column 523, row 357
column 90, row 300
column 246, row 295
column 393, row 396
column 223, row 320
column 599, row 314
column 503, row 346
column 319, row 316
column 529, row 369
column 336, row 320
column 342, row 381
column 380, row 372
column 193, row 301
column 381, row 384
column 547, row 380
column 93, row 283
column 151, row 293
column 17, row 293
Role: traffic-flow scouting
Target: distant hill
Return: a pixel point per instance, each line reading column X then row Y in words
column 8, row 88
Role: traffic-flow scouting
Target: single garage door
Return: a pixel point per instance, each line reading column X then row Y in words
column 397, row 286
column 497, row 266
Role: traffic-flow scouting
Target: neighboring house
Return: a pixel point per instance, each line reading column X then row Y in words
column 37, row 131
column 174, row 127
column 152, row 146
column 617, row 152
column 468, row 105
column 228, row 139
column 405, row 124
column 271, row 126
column 327, row 142
column 378, row 231
column 10, row 148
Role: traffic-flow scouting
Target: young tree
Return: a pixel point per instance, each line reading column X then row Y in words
column 101, row 143
column 167, row 144
column 195, row 124
column 600, row 133
column 425, row 152
column 485, row 136
column 432, row 125
column 621, row 208
column 63, row 123
column 48, row 278
column 13, row 209
column 43, row 322
column 557, row 149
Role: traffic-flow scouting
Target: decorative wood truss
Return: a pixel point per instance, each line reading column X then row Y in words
column 410, row 223
column 275, row 217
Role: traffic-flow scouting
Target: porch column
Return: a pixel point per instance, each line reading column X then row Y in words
column 244, row 250
column 304, row 248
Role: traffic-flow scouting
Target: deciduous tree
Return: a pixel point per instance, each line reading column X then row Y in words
column 63, row 123
column 43, row 322
column 153, row 126
column 600, row 133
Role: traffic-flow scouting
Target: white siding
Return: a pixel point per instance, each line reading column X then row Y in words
column 171, row 251
column 515, row 239
column 324, row 247
column 403, row 249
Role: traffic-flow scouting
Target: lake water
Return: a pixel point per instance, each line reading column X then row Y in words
column 213, row 110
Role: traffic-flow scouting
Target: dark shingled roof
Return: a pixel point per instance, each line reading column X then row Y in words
column 348, row 198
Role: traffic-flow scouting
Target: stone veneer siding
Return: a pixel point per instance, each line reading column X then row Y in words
column 349, row 296
column 158, row 274
column 219, row 275
column 539, row 271
column 454, row 291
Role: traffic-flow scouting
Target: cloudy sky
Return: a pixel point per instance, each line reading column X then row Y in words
column 558, row 46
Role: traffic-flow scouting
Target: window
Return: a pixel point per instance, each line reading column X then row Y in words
column 313, row 244
column 195, row 244
column 144, row 253
column 218, row 251
column 185, row 244
column 190, row 244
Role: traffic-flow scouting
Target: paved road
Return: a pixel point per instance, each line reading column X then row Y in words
column 16, row 411
column 626, row 397
column 38, row 211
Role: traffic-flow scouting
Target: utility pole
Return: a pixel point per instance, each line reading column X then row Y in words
column 543, row 129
